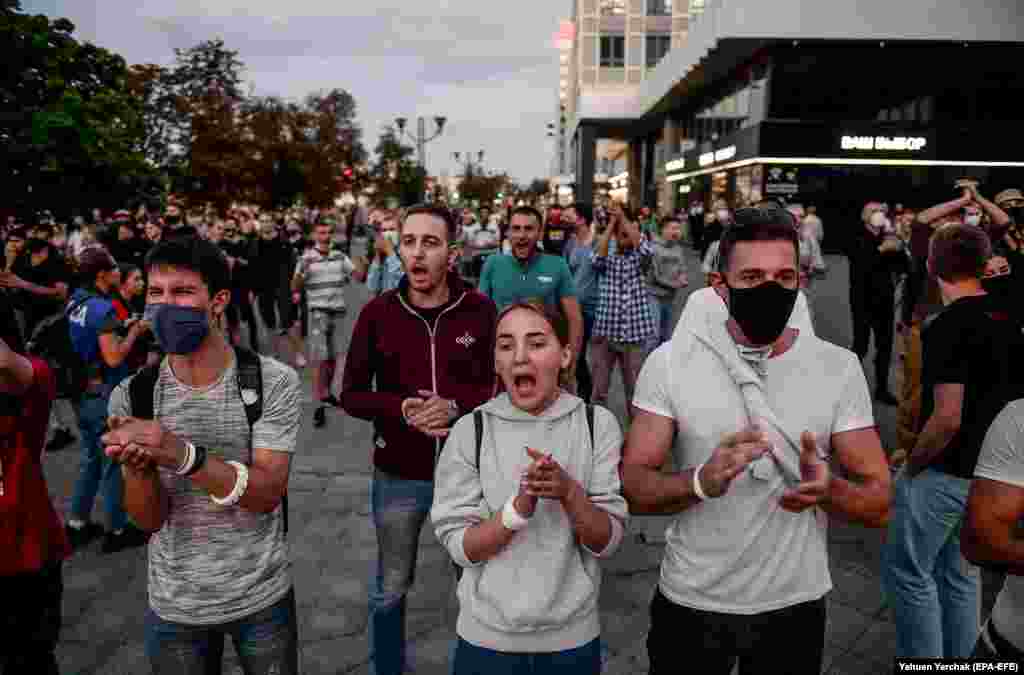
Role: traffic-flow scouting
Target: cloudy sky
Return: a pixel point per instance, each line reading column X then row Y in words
column 493, row 72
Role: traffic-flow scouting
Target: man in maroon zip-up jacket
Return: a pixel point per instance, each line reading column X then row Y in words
column 429, row 344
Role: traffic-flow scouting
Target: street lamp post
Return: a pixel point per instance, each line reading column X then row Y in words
column 421, row 139
column 467, row 166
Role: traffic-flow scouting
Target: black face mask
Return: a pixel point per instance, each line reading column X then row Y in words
column 763, row 311
column 173, row 220
column 1016, row 213
column 1000, row 288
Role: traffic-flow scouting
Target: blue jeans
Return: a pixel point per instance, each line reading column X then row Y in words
column 933, row 591
column 400, row 507
column 266, row 642
column 473, row 660
column 662, row 308
column 96, row 471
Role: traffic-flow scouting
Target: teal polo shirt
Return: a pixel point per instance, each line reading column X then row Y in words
column 545, row 278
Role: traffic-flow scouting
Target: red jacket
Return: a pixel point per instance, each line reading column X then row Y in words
column 394, row 344
column 31, row 534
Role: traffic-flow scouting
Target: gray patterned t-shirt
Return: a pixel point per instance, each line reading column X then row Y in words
column 212, row 564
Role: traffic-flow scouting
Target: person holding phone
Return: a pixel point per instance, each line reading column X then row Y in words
column 543, row 493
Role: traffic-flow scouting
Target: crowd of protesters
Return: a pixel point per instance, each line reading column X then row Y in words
column 483, row 360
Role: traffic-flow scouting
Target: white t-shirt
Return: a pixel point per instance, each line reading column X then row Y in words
column 742, row 553
column 1002, row 459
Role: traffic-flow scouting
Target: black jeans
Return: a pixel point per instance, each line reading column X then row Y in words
column 874, row 311
column 584, row 378
column 791, row 639
column 30, row 621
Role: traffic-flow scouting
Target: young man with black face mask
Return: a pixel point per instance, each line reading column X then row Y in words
column 746, row 564
column 207, row 479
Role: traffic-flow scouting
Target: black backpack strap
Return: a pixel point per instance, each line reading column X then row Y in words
column 478, row 422
column 140, row 391
column 590, row 425
column 249, row 373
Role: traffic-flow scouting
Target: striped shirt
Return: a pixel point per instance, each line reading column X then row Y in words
column 213, row 564
column 326, row 277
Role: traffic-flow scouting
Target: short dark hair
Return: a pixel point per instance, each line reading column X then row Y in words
column 959, row 252
column 194, row 254
column 585, row 210
column 757, row 224
column 527, row 211
column 94, row 260
column 438, row 212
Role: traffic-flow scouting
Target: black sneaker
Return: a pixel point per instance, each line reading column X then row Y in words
column 331, row 400
column 320, row 417
column 883, row 396
column 130, row 537
column 62, row 438
column 80, row 536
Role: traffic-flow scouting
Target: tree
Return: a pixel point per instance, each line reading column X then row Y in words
column 335, row 143
column 201, row 123
column 71, row 127
column 482, row 188
column 394, row 175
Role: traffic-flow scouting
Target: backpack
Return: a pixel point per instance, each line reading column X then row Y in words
column 51, row 341
column 478, row 424
column 250, row 389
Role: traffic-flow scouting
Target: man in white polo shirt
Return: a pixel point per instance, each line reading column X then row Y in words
column 746, row 560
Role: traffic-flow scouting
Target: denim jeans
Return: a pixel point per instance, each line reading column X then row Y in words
column 604, row 356
column 96, row 471
column 30, row 622
column 400, row 507
column 933, row 591
column 662, row 310
column 266, row 642
column 473, row 660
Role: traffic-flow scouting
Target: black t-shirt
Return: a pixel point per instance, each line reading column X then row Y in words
column 967, row 343
column 555, row 236
column 49, row 273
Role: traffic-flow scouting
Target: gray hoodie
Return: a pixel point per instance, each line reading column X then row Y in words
column 539, row 594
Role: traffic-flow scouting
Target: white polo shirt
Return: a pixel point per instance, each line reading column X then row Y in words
column 742, row 553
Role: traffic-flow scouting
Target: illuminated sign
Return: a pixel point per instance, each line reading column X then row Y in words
column 676, row 164
column 717, row 156
column 892, row 143
column 685, row 189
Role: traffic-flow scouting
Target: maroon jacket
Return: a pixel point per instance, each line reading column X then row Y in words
column 394, row 344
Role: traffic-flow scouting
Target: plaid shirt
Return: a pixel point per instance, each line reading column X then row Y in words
column 623, row 311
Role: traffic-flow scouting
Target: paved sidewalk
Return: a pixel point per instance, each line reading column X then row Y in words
column 333, row 549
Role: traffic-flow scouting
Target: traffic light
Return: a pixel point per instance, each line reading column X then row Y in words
column 347, row 173
column 501, row 195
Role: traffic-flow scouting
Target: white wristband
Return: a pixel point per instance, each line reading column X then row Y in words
column 697, row 489
column 512, row 519
column 241, row 483
column 190, row 459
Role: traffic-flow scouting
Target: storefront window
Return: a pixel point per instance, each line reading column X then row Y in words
column 657, row 47
column 613, row 51
column 659, row 7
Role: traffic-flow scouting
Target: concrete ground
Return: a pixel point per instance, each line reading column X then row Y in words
column 333, row 549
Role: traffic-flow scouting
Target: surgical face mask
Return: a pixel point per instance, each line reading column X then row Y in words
column 763, row 311
column 179, row 330
column 973, row 219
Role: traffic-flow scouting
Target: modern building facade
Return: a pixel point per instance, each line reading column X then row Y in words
column 831, row 103
column 607, row 49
